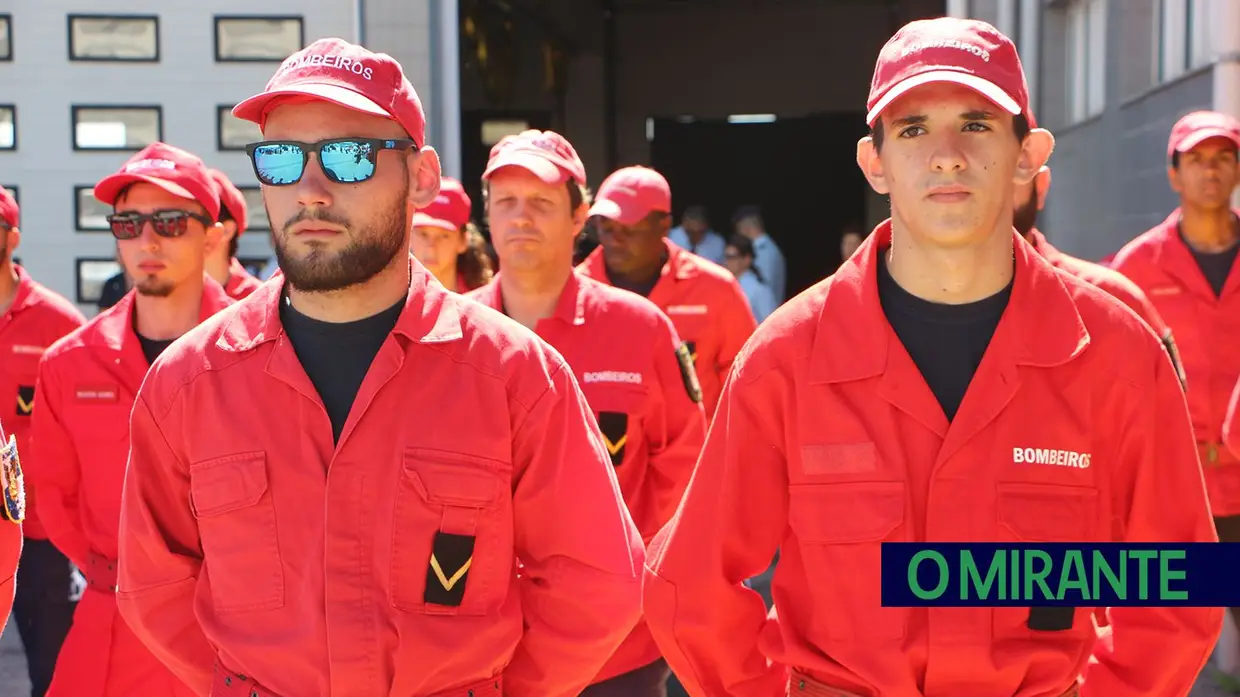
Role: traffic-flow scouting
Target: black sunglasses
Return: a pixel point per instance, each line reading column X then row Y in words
column 169, row 222
column 344, row 160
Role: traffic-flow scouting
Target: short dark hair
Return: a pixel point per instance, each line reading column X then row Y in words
column 743, row 245
column 695, row 212
column 1175, row 157
column 748, row 213
column 1020, row 128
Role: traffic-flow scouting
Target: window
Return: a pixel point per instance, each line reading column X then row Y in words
column 114, row 38
column 232, row 133
column 92, row 273
column 90, row 214
column 6, row 37
column 8, row 127
column 116, row 127
column 1087, row 33
column 254, row 208
column 257, row 38
column 1182, row 34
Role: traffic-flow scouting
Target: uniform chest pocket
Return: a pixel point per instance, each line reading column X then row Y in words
column 839, row 529
column 452, row 534
column 236, row 514
column 1031, row 513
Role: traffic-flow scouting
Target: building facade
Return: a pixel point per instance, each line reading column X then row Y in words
column 84, row 90
column 1109, row 78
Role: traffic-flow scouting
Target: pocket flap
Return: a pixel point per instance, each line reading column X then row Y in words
column 227, row 483
column 1047, row 512
column 453, row 479
column 846, row 512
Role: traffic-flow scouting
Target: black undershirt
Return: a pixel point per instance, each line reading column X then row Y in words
column 645, row 287
column 946, row 342
column 1215, row 266
column 336, row 356
column 151, row 348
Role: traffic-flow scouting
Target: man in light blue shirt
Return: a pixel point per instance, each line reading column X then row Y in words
column 695, row 235
column 768, row 260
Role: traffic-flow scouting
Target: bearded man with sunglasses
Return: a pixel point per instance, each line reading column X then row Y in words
column 164, row 220
column 414, row 499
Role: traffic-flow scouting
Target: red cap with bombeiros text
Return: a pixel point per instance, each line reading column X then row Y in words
column 632, row 193
column 1191, row 130
column 547, row 154
column 230, row 198
column 450, row 210
column 347, row 75
column 10, row 213
column 966, row 52
column 172, row 169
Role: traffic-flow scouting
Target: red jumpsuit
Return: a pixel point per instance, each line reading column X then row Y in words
column 240, row 282
column 707, row 307
column 834, row 444
column 80, row 436
column 386, row 563
column 627, row 358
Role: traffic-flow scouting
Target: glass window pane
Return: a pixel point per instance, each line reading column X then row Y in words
column 115, row 128
column 92, row 214
column 254, row 208
column 91, row 275
column 113, row 38
column 257, row 38
column 6, row 38
column 235, row 133
column 8, row 128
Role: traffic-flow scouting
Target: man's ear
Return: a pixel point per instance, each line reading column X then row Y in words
column 1173, row 177
column 15, row 240
column 424, row 176
column 872, row 165
column 214, row 237
column 1042, row 185
column 1035, row 151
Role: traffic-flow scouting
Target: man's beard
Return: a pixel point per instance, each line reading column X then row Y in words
column 153, row 287
column 1025, row 217
column 370, row 252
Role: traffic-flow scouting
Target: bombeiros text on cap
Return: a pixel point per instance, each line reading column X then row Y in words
column 150, row 163
column 329, row 61
column 947, row 43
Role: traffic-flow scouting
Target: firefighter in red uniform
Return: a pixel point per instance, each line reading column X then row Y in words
column 703, row 300
column 387, row 452
column 887, row 403
column 13, row 492
column 447, row 242
column 165, row 212
column 634, row 371
column 32, row 317
column 222, row 261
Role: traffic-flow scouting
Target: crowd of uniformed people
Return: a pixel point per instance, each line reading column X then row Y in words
column 395, row 469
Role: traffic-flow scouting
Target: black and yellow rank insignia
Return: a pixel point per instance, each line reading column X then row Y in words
column 451, row 557
column 25, row 400
column 615, row 427
column 12, row 483
column 686, row 355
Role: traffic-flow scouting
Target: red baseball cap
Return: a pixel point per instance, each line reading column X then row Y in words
column 547, row 154
column 347, row 75
column 9, row 212
column 1192, row 129
column 450, row 210
column 230, row 198
column 629, row 194
column 172, row 169
column 966, row 52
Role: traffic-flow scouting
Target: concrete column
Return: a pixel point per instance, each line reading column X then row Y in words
column 446, row 84
column 1225, row 17
column 958, row 8
column 1030, row 43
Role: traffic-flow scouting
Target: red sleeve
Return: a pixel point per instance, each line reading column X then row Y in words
column 738, row 326
column 160, row 554
column 675, row 430
column 10, row 540
column 580, row 552
column 53, row 468
column 727, row 529
column 1157, row 650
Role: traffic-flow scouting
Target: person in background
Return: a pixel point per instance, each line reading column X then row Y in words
column 739, row 259
column 849, row 241
column 222, row 261
column 32, row 318
column 448, row 243
column 694, row 235
column 768, row 260
column 115, row 287
column 165, row 216
column 13, row 511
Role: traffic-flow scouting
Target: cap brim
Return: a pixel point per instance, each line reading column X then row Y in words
column 110, row 186
column 253, row 108
column 540, row 167
column 1200, row 136
column 984, row 87
column 423, row 220
column 614, row 211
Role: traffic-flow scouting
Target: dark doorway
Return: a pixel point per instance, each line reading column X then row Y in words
column 802, row 172
column 480, row 129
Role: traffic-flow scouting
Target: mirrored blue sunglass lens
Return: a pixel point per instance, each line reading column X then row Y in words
column 349, row 162
column 278, row 164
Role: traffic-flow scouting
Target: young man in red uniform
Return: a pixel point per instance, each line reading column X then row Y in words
column 165, row 212
column 222, row 261
column 13, row 511
column 354, row 526
column 32, row 318
column 703, row 300
column 888, row 403
column 634, row 371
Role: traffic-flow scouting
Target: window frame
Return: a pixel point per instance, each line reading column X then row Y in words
column 73, row 123
column 73, row 58
column 1184, row 44
column 218, row 19
column 78, row 263
column 222, row 110
column 77, row 210
column 1086, row 65
column 250, row 224
column 12, row 108
column 8, row 25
